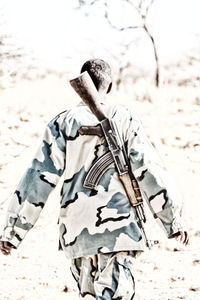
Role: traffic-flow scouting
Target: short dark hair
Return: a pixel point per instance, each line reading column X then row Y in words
column 99, row 71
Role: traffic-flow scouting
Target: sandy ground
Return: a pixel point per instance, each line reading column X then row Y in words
column 171, row 118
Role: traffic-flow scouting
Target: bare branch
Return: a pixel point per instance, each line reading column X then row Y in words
column 94, row 2
column 142, row 8
column 82, row 3
column 157, row 77
column 143, row 12
column 106, row 15
column 137, row 8
column 148, row 7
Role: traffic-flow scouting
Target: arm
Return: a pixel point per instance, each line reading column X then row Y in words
column 155, row 182
column 35, row 186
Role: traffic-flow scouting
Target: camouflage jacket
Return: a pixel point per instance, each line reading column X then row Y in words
column 92, row 220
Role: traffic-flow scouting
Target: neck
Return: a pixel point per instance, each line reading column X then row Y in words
column 102, row 94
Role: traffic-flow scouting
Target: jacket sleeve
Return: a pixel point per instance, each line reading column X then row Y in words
column 35, row 186
column 155, row 183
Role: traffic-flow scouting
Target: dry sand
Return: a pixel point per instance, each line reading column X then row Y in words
column 37, row 270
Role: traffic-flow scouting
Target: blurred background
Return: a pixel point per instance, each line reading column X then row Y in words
column 153, row 47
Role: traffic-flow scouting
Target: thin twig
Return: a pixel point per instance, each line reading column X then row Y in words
column 106, row 15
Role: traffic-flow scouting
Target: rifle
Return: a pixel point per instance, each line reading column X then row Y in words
column 86, row 89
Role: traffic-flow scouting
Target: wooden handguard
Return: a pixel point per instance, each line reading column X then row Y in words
column 127, row 183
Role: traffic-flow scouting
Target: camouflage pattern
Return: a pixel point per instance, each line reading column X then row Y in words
column 100, row 220
column 105, row 276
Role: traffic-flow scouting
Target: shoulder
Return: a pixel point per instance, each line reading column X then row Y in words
column 63, row 118
column 58, row 124
column 58, row 117
column 66, row 117
column 126, row 112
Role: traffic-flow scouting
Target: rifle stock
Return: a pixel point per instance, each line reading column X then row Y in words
column 86, row 89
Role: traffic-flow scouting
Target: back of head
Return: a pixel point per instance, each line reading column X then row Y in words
column 100, row 72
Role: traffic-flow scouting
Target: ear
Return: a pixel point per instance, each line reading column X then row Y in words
column 109, row 88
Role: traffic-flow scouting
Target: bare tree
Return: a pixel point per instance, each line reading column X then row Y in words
column 141, row 7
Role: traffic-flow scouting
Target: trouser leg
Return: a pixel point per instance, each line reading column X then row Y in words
column 114, row 279
column 84, row 271
column 105, row 276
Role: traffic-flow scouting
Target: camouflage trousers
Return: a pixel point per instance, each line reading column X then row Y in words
column 105, row 276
